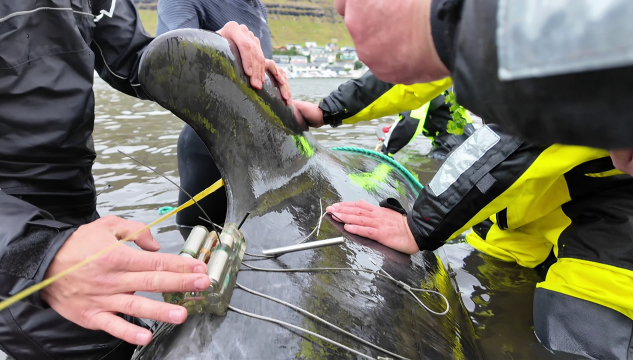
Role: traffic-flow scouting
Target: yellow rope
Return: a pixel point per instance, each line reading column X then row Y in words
column 39, row 286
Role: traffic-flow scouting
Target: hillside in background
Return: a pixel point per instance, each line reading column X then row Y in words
column 290, row 21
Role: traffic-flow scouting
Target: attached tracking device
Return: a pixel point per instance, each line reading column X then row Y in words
column 223, row 257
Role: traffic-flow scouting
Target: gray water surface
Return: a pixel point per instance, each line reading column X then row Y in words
column 497, row 295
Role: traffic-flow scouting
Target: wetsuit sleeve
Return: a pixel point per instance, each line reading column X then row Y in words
column 175, row 14
column 29, row 240
column 507, row 68
column 368, row 98
column 119, row 40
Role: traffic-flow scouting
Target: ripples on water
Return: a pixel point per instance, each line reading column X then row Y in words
column 149, row 133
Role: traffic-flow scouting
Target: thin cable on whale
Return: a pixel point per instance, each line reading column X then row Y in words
column 303, row 311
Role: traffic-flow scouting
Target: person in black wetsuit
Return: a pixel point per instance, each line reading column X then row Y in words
column 195, row 164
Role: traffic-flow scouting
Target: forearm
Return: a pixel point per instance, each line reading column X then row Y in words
column 29, row 241
column 369, row 98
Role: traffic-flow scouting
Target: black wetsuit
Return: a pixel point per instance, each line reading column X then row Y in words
column 195, row 165
column 48, row 54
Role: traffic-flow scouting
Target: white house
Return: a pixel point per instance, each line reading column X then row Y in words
column 344, row 65
column 310, row 44
column 298, row 59
column 321, row 52
column 349, row 56
column 332, row 47
column 281, row 59
column 320, row 60
column 330, row 58
column 306, row 70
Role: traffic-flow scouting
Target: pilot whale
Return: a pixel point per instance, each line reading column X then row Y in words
column 275, row 169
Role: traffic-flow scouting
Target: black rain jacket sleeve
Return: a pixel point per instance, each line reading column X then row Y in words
column 475, row 174
column 29, row 239
column 368, row 98
column 29, row 236
column 590, row 107
column 520, row 187
column 119, row 40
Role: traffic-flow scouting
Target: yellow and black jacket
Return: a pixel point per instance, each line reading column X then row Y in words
column 368, row 98
column 568, row 200
column 540, row 200
column 431, row 120
column 421, row 109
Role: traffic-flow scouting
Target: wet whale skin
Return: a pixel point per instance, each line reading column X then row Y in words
column 275, row 169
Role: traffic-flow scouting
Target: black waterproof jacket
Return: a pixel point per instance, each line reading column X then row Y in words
column 49, row 50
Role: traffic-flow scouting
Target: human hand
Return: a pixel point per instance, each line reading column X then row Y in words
column 383, row 225
column 93, row 295
column 282, row 80
column 623, row 160
column 310, row 112
column 248, row 44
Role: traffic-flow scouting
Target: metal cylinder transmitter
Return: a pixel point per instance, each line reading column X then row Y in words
column 194, row 242
column 190, row 249
column 222, row 269
column 209, row 244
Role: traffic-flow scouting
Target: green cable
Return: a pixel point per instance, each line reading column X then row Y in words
column 384, row 157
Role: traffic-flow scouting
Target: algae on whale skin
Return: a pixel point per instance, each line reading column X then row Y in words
column 372, row 180
column 199, row 119
column 229, row 70
column 303, row 145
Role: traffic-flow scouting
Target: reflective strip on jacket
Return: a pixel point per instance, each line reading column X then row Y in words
column 568, row 198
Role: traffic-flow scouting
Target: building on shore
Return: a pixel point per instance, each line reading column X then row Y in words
column 319, row 61
column 281, row 59
column 298, row 59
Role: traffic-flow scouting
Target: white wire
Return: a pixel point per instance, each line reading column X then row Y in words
column 283, row 323
column 315, row 229
column 309, row 314
column 406, row 287
column 320, row 218
column 410, row 291
column 260, row 256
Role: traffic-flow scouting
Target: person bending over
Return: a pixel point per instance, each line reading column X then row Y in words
column 507, row 67
column 368, row 98
column 562, row 209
